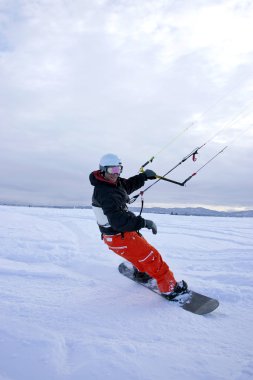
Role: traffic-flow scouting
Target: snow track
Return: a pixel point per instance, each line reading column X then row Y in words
column 67, row 314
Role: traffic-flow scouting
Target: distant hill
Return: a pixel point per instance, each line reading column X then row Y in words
column 193, row 211
column 196, row 211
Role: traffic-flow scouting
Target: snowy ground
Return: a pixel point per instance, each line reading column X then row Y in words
column 66, row 313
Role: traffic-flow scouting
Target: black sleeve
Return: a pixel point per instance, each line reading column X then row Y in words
column 119, row 219
column 133, row 183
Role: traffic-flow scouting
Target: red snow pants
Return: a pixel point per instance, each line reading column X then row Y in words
column 134, row 248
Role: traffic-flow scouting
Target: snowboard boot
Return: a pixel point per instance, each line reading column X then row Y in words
column 180, row 288
column 141, row 276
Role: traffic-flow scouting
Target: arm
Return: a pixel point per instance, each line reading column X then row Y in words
column 119, row 217
column 133, row 183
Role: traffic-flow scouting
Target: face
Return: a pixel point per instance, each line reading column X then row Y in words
column 111, row 177
column 112, row 173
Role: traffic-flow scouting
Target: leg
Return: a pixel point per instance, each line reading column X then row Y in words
column 144, row 257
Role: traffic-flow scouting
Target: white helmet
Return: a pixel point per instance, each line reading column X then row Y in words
column 109, row 159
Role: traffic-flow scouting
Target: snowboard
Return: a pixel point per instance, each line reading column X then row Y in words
column 191, row 301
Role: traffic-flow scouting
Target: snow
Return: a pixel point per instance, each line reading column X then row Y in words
column 66, row 313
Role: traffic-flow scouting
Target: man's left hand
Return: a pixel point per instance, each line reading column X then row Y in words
column 150, row 174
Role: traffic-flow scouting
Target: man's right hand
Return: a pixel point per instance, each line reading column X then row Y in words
column 151, row 226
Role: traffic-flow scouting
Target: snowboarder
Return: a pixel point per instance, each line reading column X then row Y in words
column 120, row 228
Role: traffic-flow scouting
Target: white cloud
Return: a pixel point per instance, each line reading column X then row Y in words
column 82, row 78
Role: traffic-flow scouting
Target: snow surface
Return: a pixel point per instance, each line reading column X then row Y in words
column 66, row 312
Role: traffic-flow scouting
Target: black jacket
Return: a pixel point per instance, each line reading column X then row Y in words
column 113, row 198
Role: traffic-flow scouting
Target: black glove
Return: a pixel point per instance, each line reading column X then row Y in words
column 151, row 226
column 150, row 174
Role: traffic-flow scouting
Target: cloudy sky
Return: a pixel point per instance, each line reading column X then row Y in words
column 139, row 78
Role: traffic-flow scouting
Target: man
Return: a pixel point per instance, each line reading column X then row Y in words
column 120, row 227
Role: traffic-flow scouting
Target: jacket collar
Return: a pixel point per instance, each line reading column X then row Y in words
column 99, row 176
